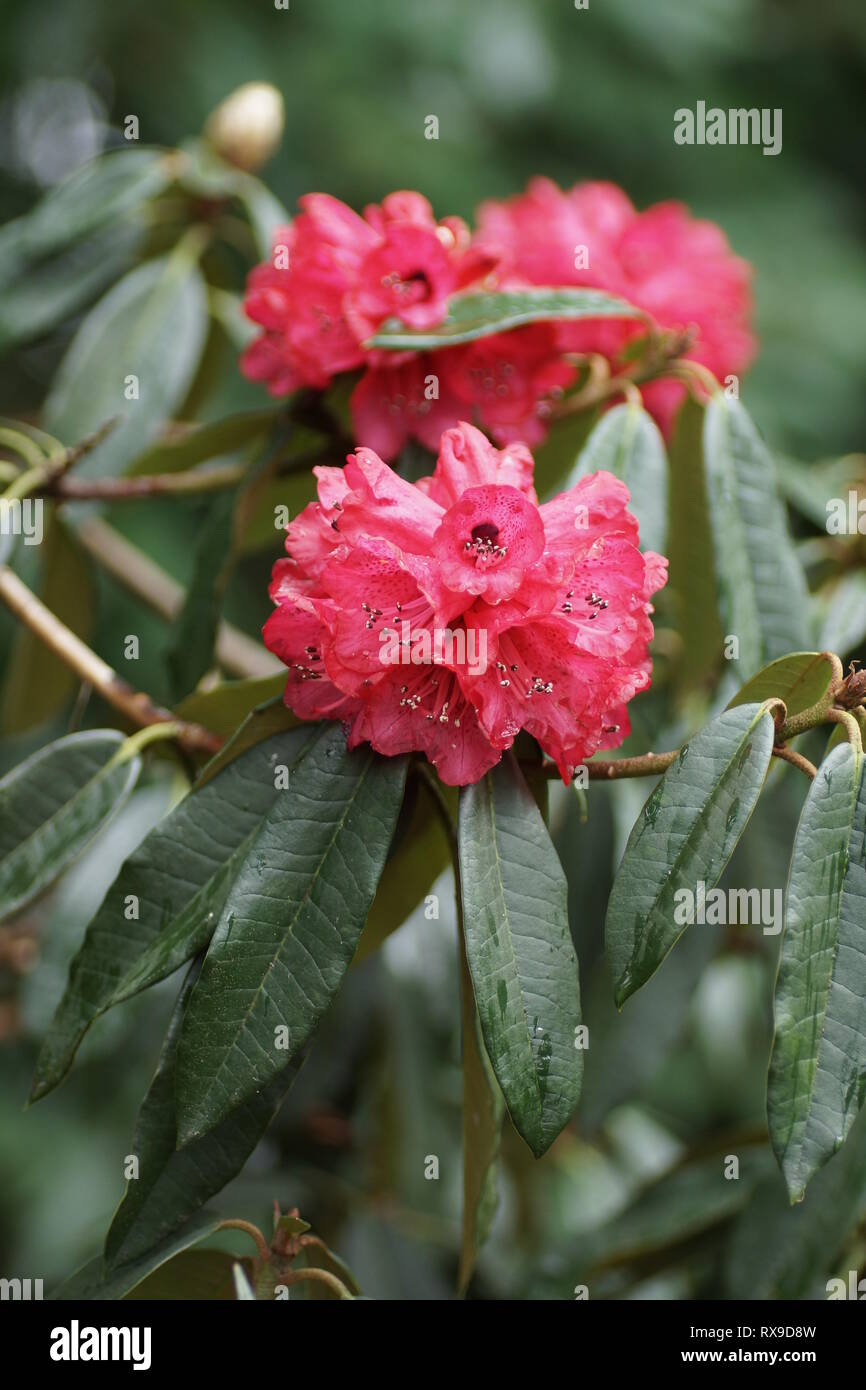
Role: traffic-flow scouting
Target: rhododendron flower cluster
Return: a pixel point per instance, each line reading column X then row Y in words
column 336, row 277
column 679, row 270
column 554, row 596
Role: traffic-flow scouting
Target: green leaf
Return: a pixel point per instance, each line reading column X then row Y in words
column 472, row 316
column 777, row 1251
column 163, row 905
column 418, row 855
column 101, row 193
column 202, row 1275
column 263, row 721
column 483, row 1109
column 38, row 683
column 292, row 1225
column 93, row 1282
column 692, row 582
column 843, row 626
column 224, row 706
column 676, row 1207
column 627, row 443
column 219, row 441
column 685, row 835
column 289, row 927
column 47, row 293
column 172, row 1184
column 520, row 954
column 809, row 487
column 152, row 326
column 53, row 805
column 190, row 653
column 801, row 680
column 761, row 589
column 817, row 1080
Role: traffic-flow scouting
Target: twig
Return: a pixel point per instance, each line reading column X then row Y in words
column 61, row 640
column 318, row 1276
column 648, row 765
column 236, row 1224
column 852, row 728
column 788, row 755
column 190, row 481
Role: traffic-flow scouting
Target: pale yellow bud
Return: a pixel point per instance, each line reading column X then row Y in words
column 247, row 127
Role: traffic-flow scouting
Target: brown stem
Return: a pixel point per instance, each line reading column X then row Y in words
column 193, row 480
column 852, row 728
column 318, row 1276
column 133, row 704
column 236, row 1224
column 648, row 765
column 788, row 755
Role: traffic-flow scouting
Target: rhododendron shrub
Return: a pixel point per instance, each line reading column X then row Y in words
column 461, row 642
column 556, row 596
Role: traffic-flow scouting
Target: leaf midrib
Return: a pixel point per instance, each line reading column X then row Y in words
column 244, row 1022
column 855, row 797
column 533, row 1068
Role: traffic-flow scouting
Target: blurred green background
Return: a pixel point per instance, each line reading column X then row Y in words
column 519, row 89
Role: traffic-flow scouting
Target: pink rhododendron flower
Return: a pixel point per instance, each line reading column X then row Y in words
column 445, row 616
column 680, row 270
column 335, row 277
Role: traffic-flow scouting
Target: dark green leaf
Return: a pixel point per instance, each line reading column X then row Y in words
column 817, row 1081
column 263, row 721
column 206, row 443
column 150, row 326
column 626, row 442
column 223, row 707
column 419, row 854
column 200, row 1275
column 520, row 955
column 685, row 835
column 175, row 882
column 94, row 1283
column 194, row 631
column 761, row 589
column 692, row 584
column 53, row 804
column 289, row 927
column 174, row 1183
column 473, row 315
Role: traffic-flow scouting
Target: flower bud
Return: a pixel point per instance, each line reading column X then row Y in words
column 852, row 691
column 247, row 127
